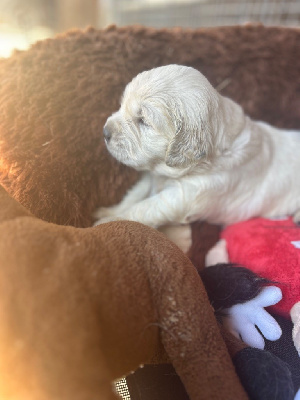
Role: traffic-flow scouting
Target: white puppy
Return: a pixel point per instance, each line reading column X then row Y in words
column 202, row 157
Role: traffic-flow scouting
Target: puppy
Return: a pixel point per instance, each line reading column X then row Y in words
column 201, row 157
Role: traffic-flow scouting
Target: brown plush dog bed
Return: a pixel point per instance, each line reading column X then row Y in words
column 55, row 98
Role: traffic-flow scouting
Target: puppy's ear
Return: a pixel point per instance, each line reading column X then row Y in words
column 189, row 145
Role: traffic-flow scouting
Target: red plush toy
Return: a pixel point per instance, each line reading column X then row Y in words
column 271, row 249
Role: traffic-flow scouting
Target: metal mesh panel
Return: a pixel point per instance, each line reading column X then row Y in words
column 189, row 13
column 122, row 389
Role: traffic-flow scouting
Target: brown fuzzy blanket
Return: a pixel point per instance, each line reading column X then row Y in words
column 54, row 100
column 82, row 307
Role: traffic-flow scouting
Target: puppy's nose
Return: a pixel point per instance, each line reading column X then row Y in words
column 107, row 134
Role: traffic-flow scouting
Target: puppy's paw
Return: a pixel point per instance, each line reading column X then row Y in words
column 181, row 235
column 106, row 220
column 104, row 212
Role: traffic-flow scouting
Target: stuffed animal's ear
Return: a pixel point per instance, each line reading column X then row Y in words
column 189, row 145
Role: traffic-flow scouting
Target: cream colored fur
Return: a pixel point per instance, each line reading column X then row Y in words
column 202, row 158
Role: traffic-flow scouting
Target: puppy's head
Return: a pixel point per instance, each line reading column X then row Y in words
column 166, row 120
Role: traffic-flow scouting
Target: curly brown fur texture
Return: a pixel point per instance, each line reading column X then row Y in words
column 82, row 307
column 55, row 98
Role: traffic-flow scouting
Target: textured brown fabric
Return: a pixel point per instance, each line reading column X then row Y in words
column 54, row 100
column 81, row 307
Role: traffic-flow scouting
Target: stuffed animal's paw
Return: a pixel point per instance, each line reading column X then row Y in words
column 244, row 319
column 295, row 315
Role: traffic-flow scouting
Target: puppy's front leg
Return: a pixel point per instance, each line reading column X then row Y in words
column 161, row 209
column 181, row 235
column 138, row 192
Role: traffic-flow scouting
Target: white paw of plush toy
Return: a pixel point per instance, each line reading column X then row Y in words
column 295, row 315
column 242, row 319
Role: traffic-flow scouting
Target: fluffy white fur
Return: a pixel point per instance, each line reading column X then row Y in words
column 202, row 158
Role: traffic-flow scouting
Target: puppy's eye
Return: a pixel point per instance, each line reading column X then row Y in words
column 141, row 121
